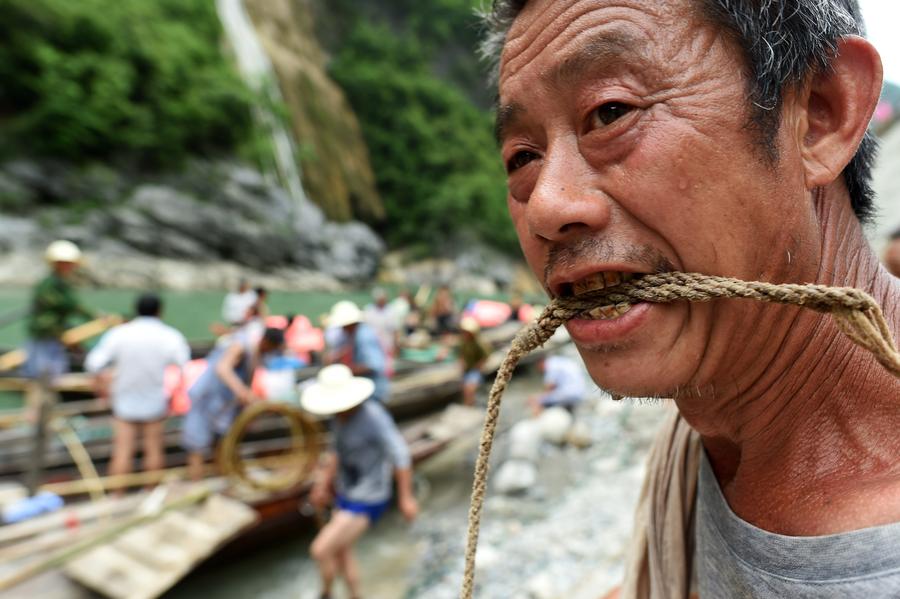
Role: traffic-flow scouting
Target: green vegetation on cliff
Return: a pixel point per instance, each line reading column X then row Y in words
column 432, row 147
column 135, row 79
column 146, row 84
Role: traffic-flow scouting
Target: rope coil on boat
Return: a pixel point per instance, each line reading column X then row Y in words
column 296, row 465
column 857, row 315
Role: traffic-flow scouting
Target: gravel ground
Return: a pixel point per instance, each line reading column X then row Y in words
column 575, row 523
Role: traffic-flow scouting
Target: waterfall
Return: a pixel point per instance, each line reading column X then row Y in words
column 256, row 69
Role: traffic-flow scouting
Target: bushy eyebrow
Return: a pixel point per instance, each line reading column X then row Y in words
column 507, row 116
column 601, row 51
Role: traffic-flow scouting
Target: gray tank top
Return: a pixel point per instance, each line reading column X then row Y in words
column 736, row 560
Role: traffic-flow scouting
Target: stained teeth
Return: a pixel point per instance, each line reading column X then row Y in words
column 590, row 283
column 601, row 280
column 603, row 312
column 609, row 311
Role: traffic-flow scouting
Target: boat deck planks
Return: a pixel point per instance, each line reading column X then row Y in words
column 124, row 568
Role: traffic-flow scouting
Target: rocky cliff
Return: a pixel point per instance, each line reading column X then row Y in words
column 333, row 154
column 202, row 228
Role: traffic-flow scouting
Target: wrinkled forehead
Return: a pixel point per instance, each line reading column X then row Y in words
column 596, row 29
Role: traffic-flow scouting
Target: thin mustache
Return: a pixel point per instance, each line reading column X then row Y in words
column 594, row 249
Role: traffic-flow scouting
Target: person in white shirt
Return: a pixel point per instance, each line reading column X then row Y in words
column 238, row 303
column 138, row 353
column 382, row 320
column 564, row 384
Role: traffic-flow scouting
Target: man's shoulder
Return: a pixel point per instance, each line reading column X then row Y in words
column 152, row 329
column 375, row 410
column 172, row 333
column 164, row 326
column 366, row 333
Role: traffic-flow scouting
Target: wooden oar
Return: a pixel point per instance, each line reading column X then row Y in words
column 13, row 359
column 85, row 331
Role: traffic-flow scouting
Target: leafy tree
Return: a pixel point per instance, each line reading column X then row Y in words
column 136, row 79
column 432, row 148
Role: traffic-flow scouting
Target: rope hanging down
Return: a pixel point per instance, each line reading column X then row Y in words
column 856, row 313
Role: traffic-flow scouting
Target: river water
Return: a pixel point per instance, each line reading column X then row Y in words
column 570, row 528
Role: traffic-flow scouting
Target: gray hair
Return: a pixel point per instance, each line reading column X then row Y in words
column 783, row 42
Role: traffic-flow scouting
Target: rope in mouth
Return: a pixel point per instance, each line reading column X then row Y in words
column 856, row 313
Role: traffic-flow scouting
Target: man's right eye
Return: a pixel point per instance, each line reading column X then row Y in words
column 519, row 160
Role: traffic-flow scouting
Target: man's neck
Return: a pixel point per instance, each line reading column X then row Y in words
column 809, row 445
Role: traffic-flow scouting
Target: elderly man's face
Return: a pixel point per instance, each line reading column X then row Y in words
column 623, row 130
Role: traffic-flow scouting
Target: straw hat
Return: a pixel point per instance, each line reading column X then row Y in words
column 469, row 325
column 344, row 313
column 336, row 390
column 62, row 251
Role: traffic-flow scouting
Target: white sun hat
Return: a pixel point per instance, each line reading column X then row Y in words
column 336, row 390
column 62, row 251
column 344, row 313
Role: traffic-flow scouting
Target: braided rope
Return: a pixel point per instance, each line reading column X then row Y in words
column 857, row 315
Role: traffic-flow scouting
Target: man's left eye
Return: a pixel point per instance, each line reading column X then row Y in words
column 608, row 113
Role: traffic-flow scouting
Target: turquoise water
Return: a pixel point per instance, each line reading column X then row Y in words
column 192, row 312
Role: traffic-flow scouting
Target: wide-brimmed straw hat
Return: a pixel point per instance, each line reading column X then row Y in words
column 62, row 251
column 336, row 390
column 344, row 313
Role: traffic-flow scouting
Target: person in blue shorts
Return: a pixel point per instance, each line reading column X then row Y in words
column 367, row 451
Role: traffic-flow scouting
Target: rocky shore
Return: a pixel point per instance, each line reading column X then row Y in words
column 564, row 539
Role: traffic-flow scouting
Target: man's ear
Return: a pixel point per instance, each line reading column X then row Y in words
column 838, row 106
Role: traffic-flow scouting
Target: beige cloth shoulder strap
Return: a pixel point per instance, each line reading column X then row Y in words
column 660, row 559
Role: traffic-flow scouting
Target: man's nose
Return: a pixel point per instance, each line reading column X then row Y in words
column 566, row 200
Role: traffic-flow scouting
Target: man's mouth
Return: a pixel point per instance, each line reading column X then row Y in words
column 608, row 316
column 596, row 282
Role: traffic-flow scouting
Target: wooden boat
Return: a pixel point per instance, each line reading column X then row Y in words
column 417, row 388
column 48, row 557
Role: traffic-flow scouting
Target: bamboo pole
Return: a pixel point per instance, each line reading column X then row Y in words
column 139, row 479
column 47, row 542
column 83, row 513
column 15, row 358
column 119, row 481
column 40, row 401
column 86, row 407
column 61, row 557
column 81, row 458
column 92, row 328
